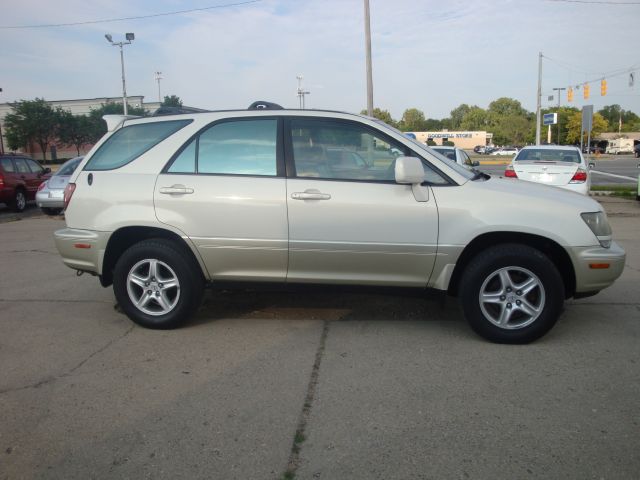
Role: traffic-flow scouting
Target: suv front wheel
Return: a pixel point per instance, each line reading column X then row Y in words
column 512, row 293
column 157, row 284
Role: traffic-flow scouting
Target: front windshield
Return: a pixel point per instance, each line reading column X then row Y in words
column 465, row 172
column 548, row 155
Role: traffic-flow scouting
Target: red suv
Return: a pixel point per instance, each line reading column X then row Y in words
column 20, row 178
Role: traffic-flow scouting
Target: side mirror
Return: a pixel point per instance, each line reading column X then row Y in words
column 475, row 163
column 47, row 170
column 592, row 165
column 409, row 171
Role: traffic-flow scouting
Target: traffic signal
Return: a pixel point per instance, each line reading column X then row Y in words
column 569, row 94
column 585, row 91
column 603, row 87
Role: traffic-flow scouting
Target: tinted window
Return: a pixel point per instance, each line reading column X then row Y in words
column 244, row 147
column 21, row 165
column 185, row 162
column 7, row 165
column 35, row 167
column 342, row 150
column 549, row 155
column 68, row 168
column 130, row 142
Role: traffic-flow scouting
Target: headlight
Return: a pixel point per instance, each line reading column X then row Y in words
column 599, row 225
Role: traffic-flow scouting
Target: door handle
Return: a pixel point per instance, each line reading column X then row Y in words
column 176, row 190
column 310, row 195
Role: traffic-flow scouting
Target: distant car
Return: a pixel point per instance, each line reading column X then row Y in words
column 20, row 177
column 50, row 195
column 636, row 150
column 552, row 165
column 505, row 151
column 457, row 155
column 478, row 149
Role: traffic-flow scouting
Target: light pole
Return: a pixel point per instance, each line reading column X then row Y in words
column 301, row 92
column 158, row 78
column 558, row 119
column 129, row 37
column 539, row 98
column 1, row 140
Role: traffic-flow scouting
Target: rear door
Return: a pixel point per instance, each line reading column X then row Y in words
column 36, row 177
column 225, row 189
column 354, row 225
column 24, row 177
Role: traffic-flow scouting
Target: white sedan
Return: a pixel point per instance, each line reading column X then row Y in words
column 563, row 167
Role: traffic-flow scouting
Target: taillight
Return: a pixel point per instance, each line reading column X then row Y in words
column 509, row 172
column 1, row 181
column 42, row 185
column 68, row 193
column 580, row 176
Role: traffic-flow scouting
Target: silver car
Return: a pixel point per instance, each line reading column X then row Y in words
column 163, row 206
column 50, row 194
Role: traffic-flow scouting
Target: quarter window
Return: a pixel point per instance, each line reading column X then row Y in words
column 128, row 143
column 7, row 165
column 35, row 167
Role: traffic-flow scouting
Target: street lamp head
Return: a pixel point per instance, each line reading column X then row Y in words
column 130, row 36
column 108, row 37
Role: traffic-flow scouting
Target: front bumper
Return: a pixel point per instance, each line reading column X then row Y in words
column 589, row 279
column 82, row 249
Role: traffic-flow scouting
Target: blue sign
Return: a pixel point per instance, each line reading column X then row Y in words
column 550, row 119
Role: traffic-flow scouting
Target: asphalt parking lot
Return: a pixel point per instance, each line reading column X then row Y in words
column 321, row 385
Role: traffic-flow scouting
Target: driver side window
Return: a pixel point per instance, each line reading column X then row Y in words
column 343, row 151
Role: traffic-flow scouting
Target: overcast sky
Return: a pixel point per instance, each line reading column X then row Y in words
column 432, row 55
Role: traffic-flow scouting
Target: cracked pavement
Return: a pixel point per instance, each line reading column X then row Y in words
column 323, row 385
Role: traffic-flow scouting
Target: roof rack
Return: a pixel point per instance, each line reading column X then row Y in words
column 262, row 105
column 176, row 111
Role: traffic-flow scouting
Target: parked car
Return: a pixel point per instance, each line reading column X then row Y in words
column 457, row 155
column 20, row 177
column 505, row 151
column 162, row 206
column 563, row 167
column 636, row 150
column 50, row 195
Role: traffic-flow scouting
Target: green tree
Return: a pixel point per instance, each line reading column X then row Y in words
column 383, row 115
column 432, row 125
column 412, row 121
column 475, row 119
column 574, row 125
column 74, row 130
column 171, row 101
column 614, row 114
column 511, row 130
column 505, row 106
column 97, row 127
column 31, row 121
column 458, row 114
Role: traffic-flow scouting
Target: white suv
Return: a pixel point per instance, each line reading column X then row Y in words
column 163, row 205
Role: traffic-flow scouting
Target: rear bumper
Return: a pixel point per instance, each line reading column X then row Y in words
column 82, row 249
column 589, row 279
column 45, row 199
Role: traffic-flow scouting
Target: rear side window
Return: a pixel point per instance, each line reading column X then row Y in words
column 21, row 165
column 130, row 142
column 7, row 165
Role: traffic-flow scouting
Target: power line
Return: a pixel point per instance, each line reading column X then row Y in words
column 595, row 2
column 164, row 14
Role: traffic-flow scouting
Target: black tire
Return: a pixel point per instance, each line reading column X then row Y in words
column 51, row 211
column 19, row 201
column 173, row 261
column 485, row 274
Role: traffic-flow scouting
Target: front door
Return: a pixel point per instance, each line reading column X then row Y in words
column 349, row 222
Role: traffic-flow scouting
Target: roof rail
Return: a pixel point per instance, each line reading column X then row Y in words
column 176, row 111
column 262, row 105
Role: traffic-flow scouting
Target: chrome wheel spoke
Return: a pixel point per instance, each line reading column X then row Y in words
column 143, row 300
column 529, row 309
column 153, row 269
column 505, row 315
column 526, row 286
column 505, row 279
column 163, row 301
column 492, row 297
column 137, row 280
column 166, row 284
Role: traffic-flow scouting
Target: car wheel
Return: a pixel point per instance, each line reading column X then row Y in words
column 51, row 211
column 511, row 293
column 158, row 284
column 19, row 202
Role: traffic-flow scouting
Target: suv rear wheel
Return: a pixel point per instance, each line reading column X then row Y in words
column 158, row 284
column 19, row 201
column 512, row 294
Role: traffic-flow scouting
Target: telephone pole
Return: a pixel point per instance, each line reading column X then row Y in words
column 301, row 92
column 367, row 37
column 158, row 78
column 558, row 119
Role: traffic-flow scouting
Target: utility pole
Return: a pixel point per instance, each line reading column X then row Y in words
column 558, row 119
column 158, row 78
column 539, row 98
column 1, row 140
column 130, row 37
column 367, row 36
column 301, row 92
